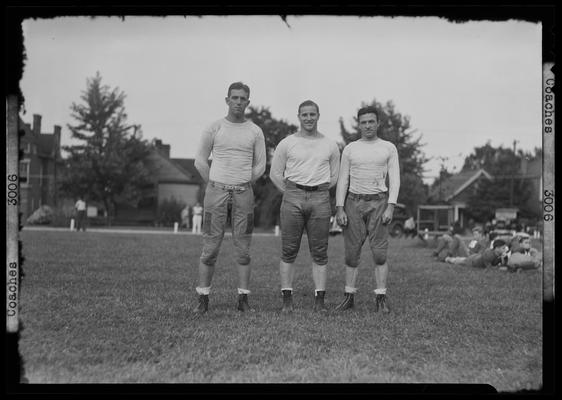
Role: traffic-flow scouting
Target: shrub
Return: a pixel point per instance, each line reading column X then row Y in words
column 169, row 211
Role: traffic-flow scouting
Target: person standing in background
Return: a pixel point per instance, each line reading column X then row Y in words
column 81, row 217
column 197, row 218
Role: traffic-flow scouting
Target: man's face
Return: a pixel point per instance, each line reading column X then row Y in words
column 237, row 102
column 478, row 235
column 526, row 244
column 368, row 125
column 308, row 117
column 501, row 250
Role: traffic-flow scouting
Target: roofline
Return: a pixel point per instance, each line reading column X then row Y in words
column 174, row 165
column 469, row 181
column 178, row 165
column 435, row 206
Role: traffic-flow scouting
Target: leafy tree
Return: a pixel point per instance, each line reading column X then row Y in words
column 395, row 128
column 109, row 164
column 267, row 197
column 508, row 188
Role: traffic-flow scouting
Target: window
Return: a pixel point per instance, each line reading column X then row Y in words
column 24, row 171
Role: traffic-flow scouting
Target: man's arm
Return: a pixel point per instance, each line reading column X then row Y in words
column 341, row 188
column 278, row 164
column 393, row 176
column 334, row 165
column 258, row 167
column 393, row 185
column 343, row 179
column 203, row 153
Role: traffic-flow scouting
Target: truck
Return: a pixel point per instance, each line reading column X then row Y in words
column 434, row 220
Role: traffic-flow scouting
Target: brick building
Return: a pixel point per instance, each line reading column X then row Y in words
column 40, row 162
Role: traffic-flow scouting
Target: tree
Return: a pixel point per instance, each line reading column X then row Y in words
column 508, row 187
column 109, row 164
column 267, row 197
column 395, row 128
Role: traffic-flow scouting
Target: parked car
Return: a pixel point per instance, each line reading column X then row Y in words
column 396, row 228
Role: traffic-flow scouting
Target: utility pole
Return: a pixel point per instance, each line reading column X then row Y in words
column 512, row 175
column 441, row 174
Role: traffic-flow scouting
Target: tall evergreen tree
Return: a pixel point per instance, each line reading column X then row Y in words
column 109, row 163
column 395, row 127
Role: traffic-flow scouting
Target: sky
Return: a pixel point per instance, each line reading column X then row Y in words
column 461, row 84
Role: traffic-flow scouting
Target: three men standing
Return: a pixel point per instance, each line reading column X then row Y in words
column 365, row 205
column 238, row 148
column 304, row 167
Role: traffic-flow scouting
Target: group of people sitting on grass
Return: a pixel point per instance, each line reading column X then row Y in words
column 513, row 254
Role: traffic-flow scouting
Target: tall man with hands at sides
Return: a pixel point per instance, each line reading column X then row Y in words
column 304, row 167
column 365, row 205
column 238, row 149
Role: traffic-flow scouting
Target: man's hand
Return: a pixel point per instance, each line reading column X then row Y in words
column 387, row 215
column 341, row 216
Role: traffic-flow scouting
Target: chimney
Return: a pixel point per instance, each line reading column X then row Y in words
column 163, row 149
column 56, row 133
column 36, row 124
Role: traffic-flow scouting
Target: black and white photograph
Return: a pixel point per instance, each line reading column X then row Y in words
column 282, row 199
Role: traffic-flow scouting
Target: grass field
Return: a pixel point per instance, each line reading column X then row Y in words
column 113, row 308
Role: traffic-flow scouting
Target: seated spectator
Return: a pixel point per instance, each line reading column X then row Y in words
column 524, row 257
column 451, row 244
column 479, row 242
column 488, row 258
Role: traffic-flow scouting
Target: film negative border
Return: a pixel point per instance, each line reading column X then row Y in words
column 12, row 221
column 548, row 192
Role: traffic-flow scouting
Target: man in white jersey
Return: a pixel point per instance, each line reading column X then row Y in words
column 197, row 218
column 365, row 205
column 304, row 167
column 238, row 148
column 81, row 218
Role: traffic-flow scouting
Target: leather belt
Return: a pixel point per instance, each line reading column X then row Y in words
column 322, row 186
column 224, row 186
column 307, row 188
column 367, row 197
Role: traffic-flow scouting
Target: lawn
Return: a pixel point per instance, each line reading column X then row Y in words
column 113, row 308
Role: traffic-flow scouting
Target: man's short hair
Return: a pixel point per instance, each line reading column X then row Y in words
column 498, row 243
column 309, row 103
column 523, row 238
column 368, row 110
column 238, row 86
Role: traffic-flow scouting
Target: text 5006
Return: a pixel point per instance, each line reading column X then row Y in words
column 12, row 192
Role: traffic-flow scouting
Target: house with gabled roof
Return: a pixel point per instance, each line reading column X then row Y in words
column 172, row 179
column 456, row 190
